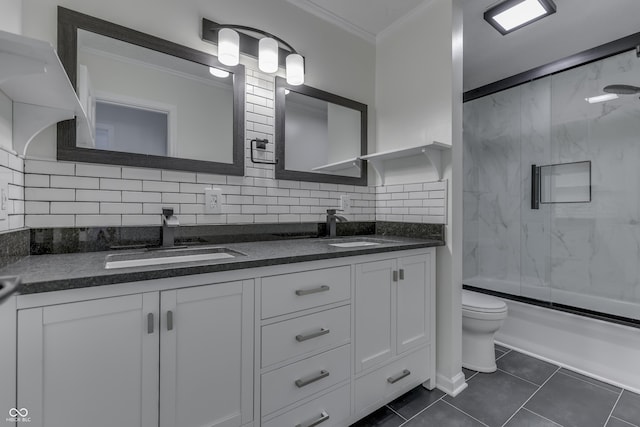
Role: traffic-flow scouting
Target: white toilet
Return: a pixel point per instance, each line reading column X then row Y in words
column 482, row 316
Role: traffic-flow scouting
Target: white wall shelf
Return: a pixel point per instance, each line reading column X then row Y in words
column 431, row 152
column 339, row 166
column 32, row 76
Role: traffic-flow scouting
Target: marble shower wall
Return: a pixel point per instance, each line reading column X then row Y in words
column 580, row 254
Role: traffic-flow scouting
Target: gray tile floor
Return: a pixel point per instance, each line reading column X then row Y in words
column 523, row 392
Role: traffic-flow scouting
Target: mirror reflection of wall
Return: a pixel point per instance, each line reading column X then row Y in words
column 318, row 133
column 152, row 103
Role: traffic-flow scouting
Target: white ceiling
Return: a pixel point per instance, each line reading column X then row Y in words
column 489, row 56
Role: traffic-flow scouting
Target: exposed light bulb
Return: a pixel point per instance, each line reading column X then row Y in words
column 601, row 98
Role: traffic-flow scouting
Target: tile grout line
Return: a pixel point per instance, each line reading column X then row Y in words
column 589, row 382
column 624, row 422
column 531, row 397
column 545, row 418
column 468, row 415
column 424, row 409
column 523, row 379
column 397, row 413
column 614, row 407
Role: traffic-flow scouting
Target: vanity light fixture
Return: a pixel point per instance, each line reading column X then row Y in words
column 230, row 38
column 510, row 15
column 218, row 72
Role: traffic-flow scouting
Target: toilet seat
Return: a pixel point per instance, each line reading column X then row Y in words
column 475, row 302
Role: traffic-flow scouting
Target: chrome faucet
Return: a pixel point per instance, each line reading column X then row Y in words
column 331, row 222
column 169, row 225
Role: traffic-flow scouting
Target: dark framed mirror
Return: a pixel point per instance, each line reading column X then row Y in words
column 319, row 136
column 150, row 102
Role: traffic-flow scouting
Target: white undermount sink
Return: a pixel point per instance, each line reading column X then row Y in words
column 168, row 256
column 355, row 241
column 356, row 244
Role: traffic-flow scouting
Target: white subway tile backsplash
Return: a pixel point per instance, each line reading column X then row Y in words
column 132, row 220
column 161, row 186
column 278, row 209
column 98, row 196
column 178, row 176
column 49, row 167
column 205, row 178
column 36, row 180
column 254, row 191
column 120, row 208
column 41, row 221
column 16, row 163
column 254, row 209
column 211, row 219
column 98, row 220
column 37, row 207
column 436, row 194
column 140, row 196
column 178, row 198
column 16, row 192
column 75, row 208
column 239, row 219
column 120, row 184
column 141, row 173
column 49, row 194
column 61, row 181
column 16, row 221
column 156, row 208
column 281, row 192
column 84, row 169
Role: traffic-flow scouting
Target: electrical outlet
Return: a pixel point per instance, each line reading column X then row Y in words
column 213, row 200
column 345, row 203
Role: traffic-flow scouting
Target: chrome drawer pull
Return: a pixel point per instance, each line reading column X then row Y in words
column 321, row 332
column 311, row 379
column 395, row 275
column 403, row 374
column 323, row 417
column 302, row 292
column 402, row 274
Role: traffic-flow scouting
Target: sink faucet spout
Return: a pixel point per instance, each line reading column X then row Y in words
column 169, row 224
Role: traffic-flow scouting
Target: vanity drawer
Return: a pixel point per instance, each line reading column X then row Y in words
column 334, row 408
column 305, row 334
column 304, row 378
column 288, row 293
column 374, row 389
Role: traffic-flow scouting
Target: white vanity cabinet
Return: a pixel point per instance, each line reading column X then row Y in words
column 109, row 361
column 394, row 327
column 317, row 343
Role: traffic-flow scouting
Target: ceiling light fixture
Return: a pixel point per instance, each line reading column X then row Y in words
column 511, row 15
column 268, row 50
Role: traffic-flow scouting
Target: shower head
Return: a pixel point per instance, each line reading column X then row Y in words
column 622, row 89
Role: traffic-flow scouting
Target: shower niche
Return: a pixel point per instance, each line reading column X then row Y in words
column 561, row 183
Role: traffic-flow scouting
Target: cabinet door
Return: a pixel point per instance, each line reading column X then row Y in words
column 90, row 363
column 413, row 302
column 374, row 313
column 206, row 353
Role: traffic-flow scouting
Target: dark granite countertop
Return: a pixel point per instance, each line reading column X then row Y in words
column 44, row 273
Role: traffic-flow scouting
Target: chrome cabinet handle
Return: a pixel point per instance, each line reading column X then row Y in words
column 150, row 323
column 302, row 292
column 396, row 378
column 311, row 379
column 402, row 274
column 395, row 275
column 169, row 320
column 321, row 332
column 323, row 417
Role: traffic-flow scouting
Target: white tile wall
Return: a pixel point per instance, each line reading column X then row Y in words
column 419, row 202
column 12, row 170
column 66, row 194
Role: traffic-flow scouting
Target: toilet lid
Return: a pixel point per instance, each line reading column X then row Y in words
column 475, row 301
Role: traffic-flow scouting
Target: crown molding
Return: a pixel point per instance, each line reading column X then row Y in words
column 322, row 13
column 402, row 21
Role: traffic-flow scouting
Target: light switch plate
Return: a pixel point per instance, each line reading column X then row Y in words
column 213, row 200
